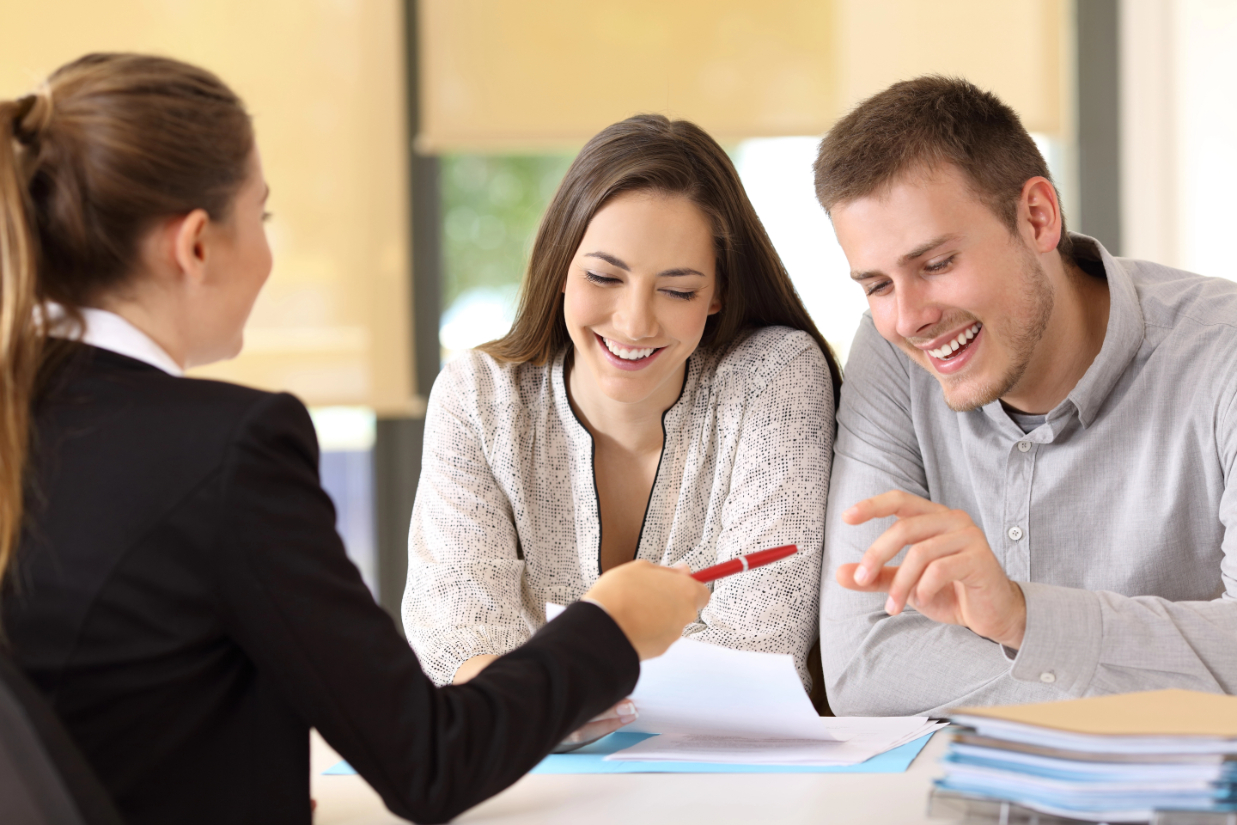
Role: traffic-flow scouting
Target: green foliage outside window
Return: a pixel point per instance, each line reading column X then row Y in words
column 492, row 205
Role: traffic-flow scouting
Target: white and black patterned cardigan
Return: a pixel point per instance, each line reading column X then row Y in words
column 506, row 517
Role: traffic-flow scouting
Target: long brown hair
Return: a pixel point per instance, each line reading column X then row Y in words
column 653, row 153
column 107, row 146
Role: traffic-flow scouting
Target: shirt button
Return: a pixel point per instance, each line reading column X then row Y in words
column 1024, row 446
column 1015, row 533
column 1048, row 677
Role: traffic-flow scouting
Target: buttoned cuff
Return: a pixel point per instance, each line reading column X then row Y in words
column 1061, row 646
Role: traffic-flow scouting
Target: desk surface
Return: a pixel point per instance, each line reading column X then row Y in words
column 651, row 799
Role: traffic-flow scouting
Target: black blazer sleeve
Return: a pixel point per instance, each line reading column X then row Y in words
column 298, row 608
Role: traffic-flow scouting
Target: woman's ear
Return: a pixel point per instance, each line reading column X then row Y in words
column 189, row 244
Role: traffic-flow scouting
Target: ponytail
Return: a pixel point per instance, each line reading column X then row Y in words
column 21, row 337
column 108, row 146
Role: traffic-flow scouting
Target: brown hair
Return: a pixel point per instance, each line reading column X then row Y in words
column 653, row 153
column 923, row 124
column 108, row 145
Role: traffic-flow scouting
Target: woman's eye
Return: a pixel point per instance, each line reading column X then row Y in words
column 682, row 296
column 594, row 278
column 873, row 289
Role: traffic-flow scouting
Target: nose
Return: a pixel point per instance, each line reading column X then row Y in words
column 635, row 317
column 916, row 311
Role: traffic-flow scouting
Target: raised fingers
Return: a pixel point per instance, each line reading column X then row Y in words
column 845, row 576
column 906, row 531
column 922, row 561
column 893, row 503
column 941, row 574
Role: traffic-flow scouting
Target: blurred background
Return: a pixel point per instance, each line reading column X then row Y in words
column 411, row 146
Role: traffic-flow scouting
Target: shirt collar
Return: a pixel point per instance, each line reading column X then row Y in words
column 1122, row 339
column 107, row 330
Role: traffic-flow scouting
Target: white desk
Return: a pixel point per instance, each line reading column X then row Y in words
column 652, row 799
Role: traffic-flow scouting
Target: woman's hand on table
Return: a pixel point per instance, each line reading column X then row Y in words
column 624, row 713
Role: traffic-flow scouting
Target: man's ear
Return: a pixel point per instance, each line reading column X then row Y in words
column 188, row 237
column 1040, row 212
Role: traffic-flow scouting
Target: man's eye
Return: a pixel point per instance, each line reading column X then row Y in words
column 940, row 266
column 873, row 289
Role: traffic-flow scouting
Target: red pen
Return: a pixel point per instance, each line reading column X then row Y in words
column 744, row 563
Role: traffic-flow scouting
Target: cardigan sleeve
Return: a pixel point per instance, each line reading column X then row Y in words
column 778, row 486
column 464, row 591
column 298, row 608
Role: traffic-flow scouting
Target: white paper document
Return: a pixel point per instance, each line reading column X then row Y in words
column 859, row 739
column 699, row 688
column 715, row 704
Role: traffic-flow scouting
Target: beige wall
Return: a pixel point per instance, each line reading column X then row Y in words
column 324, row 81
column 501, row 75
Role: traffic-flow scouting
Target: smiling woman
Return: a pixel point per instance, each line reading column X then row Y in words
column 662, row 395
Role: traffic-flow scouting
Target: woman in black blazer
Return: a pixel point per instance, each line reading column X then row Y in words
column 176, row 587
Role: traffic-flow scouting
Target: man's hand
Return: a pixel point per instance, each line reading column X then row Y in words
column 949, row 573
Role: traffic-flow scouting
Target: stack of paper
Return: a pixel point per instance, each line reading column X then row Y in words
column 1104, row 759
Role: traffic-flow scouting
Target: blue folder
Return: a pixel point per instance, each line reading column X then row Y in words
column 592, row 759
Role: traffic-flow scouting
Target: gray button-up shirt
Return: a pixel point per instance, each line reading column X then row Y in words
column 1115, row 515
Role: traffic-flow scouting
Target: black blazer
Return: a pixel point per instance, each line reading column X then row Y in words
column 182, row 598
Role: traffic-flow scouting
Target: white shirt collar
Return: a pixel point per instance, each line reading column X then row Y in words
column 107, row 330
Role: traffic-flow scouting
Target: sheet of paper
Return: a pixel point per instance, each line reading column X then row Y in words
column 690, row 747
column 860, row 740
column 878, row 734
column 591, row 759
column 702, row 688
column 699, row 688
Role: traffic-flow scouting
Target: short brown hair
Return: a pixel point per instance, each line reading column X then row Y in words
column 655, row 154
column 923, row 124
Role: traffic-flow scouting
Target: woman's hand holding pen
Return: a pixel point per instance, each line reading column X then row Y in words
column 651, row 604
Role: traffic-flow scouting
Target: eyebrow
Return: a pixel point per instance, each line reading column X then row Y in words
column 668, row 273
column 917, row 252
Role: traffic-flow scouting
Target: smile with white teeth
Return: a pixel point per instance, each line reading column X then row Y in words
column 947, row 351
column 628, row 354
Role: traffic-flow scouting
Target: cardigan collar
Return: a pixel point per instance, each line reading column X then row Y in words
column 583, row 471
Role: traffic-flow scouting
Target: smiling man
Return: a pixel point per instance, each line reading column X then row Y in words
column 1033, row 480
